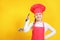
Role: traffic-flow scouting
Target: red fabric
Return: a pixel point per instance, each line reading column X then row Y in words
column 38, row 8
column 38, row 33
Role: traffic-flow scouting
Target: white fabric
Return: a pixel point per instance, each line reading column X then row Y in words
column 28, row 26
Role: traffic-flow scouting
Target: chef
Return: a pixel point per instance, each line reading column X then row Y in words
column 39, row 27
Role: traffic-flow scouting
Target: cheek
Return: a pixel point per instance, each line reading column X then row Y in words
column 41, row 16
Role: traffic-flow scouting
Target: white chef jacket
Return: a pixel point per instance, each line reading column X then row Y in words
column 28, row 26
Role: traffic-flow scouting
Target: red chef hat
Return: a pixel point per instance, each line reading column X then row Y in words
column 38, row 8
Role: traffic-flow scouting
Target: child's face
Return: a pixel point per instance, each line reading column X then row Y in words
column 38, row 16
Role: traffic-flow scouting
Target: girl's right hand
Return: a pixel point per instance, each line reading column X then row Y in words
column 20, row 29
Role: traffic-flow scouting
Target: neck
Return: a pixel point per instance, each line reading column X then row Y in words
column 39, row 20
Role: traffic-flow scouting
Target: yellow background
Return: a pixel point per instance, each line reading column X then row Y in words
column 13, row 14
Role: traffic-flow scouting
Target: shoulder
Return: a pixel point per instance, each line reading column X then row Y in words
column 47, row 25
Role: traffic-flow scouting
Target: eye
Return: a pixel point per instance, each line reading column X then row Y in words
column 39, row 14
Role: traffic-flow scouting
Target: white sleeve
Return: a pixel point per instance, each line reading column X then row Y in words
column 53, row 31
column 27, row 26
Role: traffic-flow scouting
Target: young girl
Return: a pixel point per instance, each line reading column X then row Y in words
column 38, row 26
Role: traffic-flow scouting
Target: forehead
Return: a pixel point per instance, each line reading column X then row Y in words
column 37, row 13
